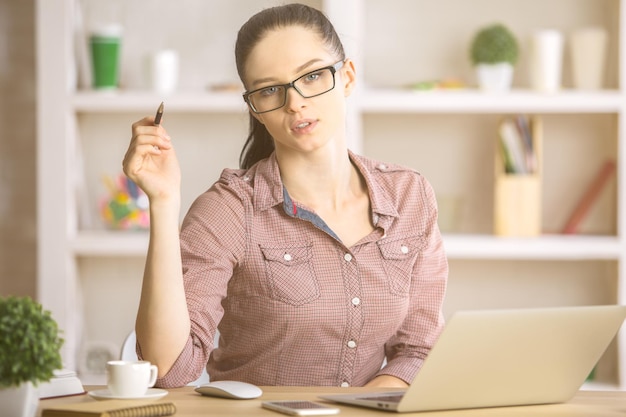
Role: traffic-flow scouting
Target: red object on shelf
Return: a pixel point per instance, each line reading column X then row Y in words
column 590, row 196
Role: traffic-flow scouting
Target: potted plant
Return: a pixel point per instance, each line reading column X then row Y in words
column 494, row 52
column 29, row 354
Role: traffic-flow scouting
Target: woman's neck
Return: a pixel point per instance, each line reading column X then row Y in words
column 320, row 179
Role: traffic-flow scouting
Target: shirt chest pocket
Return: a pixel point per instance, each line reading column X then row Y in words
column 399, row 257
column 290, row 274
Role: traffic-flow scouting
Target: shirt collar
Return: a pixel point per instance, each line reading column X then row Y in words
column 379, row 199
column 268, row 185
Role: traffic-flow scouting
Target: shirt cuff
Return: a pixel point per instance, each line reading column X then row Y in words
column 180, row 372
column 403, row 368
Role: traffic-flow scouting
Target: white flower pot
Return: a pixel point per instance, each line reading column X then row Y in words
column 496, row 78
column 19, row 401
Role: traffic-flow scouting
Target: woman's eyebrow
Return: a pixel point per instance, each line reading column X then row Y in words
column 301, row 68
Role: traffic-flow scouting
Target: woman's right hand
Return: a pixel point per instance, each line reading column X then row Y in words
column 151, row 161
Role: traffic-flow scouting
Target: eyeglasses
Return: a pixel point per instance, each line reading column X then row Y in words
column 311, row 84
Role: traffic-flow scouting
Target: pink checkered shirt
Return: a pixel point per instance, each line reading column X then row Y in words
column 295, row 306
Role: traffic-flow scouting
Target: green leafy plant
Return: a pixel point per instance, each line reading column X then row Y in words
column 494, row 44
column 29, row 342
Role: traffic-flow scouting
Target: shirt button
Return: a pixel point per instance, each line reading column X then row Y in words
column 351, row 344
column 404, row 249
column 382, row 167
column 347, row 257
column 246, row 178
column 356, row 301
column 344, row 384
column 287, row 257
column 375, row 219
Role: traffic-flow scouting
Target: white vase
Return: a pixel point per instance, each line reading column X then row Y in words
column 546, row 59
column 163, row 71
column 588, row 57
column 495, row 78
column 19, row 401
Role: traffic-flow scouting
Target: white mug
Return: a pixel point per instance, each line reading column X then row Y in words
column 130, row 378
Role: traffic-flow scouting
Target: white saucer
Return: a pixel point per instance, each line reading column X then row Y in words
column 105, row 394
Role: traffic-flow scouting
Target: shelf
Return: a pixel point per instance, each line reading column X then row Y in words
column 475, row 101
column 146, row 101
column 547, row 247
column 370, row 101
column 110, row 243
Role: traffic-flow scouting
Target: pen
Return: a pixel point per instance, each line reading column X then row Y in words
column 159, row 114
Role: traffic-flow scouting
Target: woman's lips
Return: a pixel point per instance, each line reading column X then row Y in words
column 303, row 126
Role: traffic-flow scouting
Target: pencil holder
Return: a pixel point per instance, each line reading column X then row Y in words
column 517, row 190
column 517, row 205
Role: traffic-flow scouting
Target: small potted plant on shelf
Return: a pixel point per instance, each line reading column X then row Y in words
column 29, row 353
column 494, row 52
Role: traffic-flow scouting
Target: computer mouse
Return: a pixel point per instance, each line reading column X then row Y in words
column 230, row 389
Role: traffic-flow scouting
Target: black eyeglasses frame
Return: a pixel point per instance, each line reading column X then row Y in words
column 333, row 68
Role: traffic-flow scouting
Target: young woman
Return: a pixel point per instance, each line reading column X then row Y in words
column 315, row 264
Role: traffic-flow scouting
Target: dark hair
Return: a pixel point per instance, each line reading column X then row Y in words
column 260, row 144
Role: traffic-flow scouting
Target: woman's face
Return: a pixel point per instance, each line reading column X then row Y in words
column 302, row 124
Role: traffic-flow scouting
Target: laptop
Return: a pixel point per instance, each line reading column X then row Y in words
column 495, row 358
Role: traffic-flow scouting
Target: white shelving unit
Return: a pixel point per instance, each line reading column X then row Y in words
column 517, row 101
column 87, row 102
column 73, row 121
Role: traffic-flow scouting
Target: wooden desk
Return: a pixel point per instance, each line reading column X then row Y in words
column 192, row 404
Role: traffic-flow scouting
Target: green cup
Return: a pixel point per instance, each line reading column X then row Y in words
column 105, row 46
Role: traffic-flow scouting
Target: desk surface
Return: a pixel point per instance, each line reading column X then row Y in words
column 192, row 404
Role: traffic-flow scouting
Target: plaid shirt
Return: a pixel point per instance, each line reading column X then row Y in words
column 293, row 304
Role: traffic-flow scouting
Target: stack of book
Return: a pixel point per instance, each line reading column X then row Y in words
column 64, row 383
column 516, row 142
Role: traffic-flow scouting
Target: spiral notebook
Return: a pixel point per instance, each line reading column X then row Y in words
column 111, row 408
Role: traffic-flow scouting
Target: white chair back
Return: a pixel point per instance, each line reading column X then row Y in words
column 128, row 353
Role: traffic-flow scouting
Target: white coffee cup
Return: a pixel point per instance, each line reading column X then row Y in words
column 130, row 378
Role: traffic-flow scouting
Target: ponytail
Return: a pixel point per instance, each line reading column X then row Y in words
column 259, row 144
